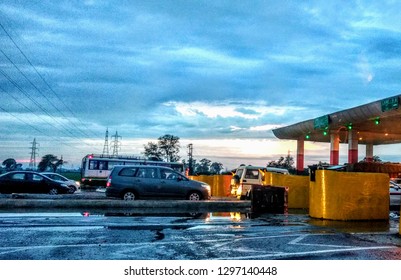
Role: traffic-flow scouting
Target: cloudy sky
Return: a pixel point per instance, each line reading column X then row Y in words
column 217, row 74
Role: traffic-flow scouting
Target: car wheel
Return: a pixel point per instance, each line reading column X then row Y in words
column 194, row 196
column 53, row 191
column 71, row 189
column 129, row 195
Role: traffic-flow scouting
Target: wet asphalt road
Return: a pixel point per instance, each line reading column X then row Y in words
column 193, row 236
column 167, row 234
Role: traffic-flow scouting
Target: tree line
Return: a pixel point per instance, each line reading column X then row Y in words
column 166, row 148
column 47, row 162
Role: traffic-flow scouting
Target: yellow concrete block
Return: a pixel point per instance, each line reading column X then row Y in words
column 298, row 188
column 349, row 196
column 219, row 184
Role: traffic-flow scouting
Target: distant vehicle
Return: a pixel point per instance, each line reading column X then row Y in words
column 395, row 193
column 335, row 167
column 96, row 169
column 144, row 181
column 246, row 176
column 73, row 185
column 30, row 182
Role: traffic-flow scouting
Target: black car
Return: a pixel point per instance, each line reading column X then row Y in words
column 30, row 182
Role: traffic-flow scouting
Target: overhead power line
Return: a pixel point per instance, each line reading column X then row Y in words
column 42, row 132
column 46, row 83
column 41, row 93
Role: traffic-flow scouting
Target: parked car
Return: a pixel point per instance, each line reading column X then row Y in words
column 73, row 185
column 30, row 182
column 246, row 176
column 139, row 181
column 395, row 193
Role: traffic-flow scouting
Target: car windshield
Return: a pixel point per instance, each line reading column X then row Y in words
column 252, row 174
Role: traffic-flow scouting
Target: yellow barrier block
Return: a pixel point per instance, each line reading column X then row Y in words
column 298, row 188
column 349, row 196
column 219, row 184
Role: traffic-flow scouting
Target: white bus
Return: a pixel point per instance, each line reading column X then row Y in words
column 96, row 169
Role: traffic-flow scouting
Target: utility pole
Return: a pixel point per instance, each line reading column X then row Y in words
column 116, row 144
column 190, row 160
column 34, row 148
column 106, row 144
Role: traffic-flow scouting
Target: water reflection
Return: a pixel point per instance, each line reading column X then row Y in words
column 270, row 220
column 352, row 226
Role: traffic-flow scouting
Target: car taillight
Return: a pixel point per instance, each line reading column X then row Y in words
column 108, row 184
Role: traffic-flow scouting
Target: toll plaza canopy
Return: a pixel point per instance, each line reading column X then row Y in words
column 371, row 124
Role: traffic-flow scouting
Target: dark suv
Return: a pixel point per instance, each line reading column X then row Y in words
column 140, row 181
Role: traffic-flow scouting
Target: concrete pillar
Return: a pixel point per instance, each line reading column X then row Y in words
column 334, row 147
column 300, row 154
column 352, row 146
column 369, row 152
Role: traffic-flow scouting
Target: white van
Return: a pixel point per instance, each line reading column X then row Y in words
column 246, row 176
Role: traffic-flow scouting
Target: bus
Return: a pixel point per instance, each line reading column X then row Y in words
column 95, row 169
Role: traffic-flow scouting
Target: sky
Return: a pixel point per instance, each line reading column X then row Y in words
column 218, row 74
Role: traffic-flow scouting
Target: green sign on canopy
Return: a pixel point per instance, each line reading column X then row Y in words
column 321, row 122
column 389, row 104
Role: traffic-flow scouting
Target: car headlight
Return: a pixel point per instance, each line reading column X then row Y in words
column 206, row 186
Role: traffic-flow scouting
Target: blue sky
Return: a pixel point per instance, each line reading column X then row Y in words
column 218, row 74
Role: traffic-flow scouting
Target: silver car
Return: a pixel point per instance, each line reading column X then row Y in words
column 142, row 181
column 73, row 185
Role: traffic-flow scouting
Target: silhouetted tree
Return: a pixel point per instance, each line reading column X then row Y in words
column 167, row 147
column 216, row 167
column 283, row 162
column 374, row 159
column 152, row 151
column 10, row 164
column 50, row 161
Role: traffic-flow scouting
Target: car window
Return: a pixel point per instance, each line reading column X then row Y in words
column 18, row 176
column 97, row 164
column 129, row 172
column 58, row 177
column 53, row 176
column 111, row 164
column 164, row 173
column 252, row 174
column 239, row 172
column 37, row 178
column 170, row 175
column 147, row 173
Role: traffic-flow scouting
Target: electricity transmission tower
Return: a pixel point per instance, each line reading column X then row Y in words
column 116, row 144
column 106, row 144
column 34, row 148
